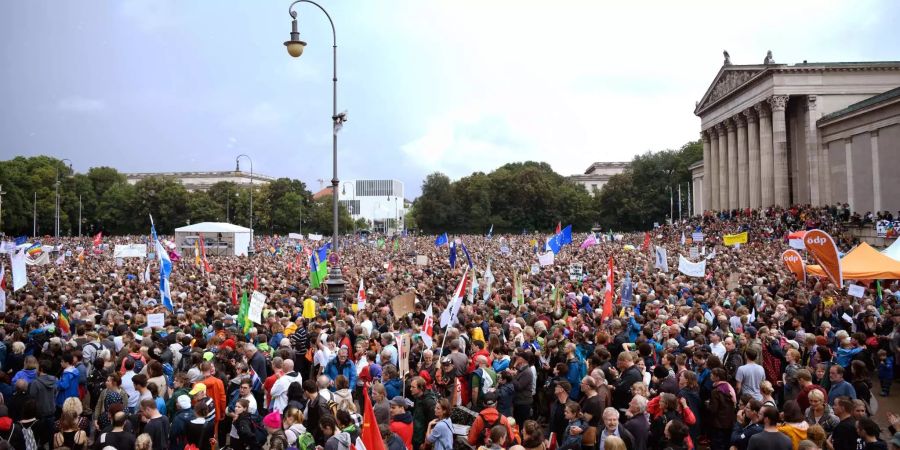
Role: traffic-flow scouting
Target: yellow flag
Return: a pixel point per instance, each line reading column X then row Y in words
column 731, row 239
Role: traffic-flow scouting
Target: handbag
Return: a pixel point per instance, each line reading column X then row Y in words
column 589, row 437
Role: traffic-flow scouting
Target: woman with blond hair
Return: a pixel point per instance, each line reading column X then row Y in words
column 74, row 407
column 614, row 443
column 766, row 389
column 70, row 435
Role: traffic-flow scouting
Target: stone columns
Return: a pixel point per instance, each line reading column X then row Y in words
column 743, row 191
column 848, row 155
column 766, row 157
column 711, row 172
column 876, row 176
column 812, row 152
column 731, row 127
column 707, row 163
column 826, row 179
column 723, row 166
column 753, row 177
column 779, row 144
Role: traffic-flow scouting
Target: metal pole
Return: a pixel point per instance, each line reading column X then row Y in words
column 1, row 207
column 237, row 161
column 679, row 201
column 79, row 215
column 671, row 206
column 334, row 118
column 34, row 218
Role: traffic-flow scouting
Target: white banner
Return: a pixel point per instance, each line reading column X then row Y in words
column 856, row 290
column 20, row 277
column 691, row 269
column 130, row 251
column 696, row 236
column 257, row 301
column 296, row 236
column 545, row 259
column 314, row 237
column 662, row 259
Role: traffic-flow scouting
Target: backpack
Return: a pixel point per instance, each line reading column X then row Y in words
column 30, row 442
column 488, row 426
column 304, row 441
column 332, row 406
column 258, row 429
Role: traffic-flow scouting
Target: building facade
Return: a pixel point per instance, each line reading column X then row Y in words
column 598, row 174
column 768, row 134
column 380, row 202
column 201, row 181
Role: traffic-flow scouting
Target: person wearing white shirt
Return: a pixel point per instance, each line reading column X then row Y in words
column 134, row 397
column 716, row 346
column 324, row 355
column 279, row 392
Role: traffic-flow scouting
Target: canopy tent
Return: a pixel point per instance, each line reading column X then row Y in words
column 893, row 251
column 219, row 238
column 864, row 263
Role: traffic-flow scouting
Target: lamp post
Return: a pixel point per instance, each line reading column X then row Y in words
column 237, row 163
column 1, row 207
column 56, row 231
column 295, row 48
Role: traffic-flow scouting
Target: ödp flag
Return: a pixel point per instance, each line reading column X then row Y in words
column 608, row 298
column 794, row 263
column 427, row 334
column 731, row 239
column 821, row 246
column 691, row 269
column 450, row 315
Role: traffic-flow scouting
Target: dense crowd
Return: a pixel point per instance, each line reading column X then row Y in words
column 745, row 357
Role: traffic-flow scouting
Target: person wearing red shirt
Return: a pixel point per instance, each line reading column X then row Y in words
column 215, row 390
column 804, row 379
column 479, row 350
column 402, row 420
column 277, row 364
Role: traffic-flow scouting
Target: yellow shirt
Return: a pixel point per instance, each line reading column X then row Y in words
column 309, row 308
column 477, row 334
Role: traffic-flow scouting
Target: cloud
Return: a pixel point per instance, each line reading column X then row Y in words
column 78, row 104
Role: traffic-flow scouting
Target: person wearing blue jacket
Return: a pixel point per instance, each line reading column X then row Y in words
column 342, row 365
column 67, row 386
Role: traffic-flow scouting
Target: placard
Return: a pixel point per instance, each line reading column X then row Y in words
column 403, row 304
column 157, row 320
column 130, row 251
column 296, row 236
column 535, row 268
column 404, row 345
column 314, row 237
column 421, row 260
column 694, row 253
column 119, row 262
column 576, row 271
column 856, row 290
column 504, row 250
column 257, row 301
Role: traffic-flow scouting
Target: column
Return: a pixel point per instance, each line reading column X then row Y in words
column 713, row 170
column 766, row 157
column 876, row 176
column 779, row 145
column 707, row 163
column 733, row 188
column 743, row 185
column 723, row 166
column 753, row 177
column 812, row 152
column 826, row 179
column 848, row 155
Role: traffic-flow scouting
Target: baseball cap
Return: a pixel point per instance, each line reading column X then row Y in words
column 198, row 388
column 490, row 398
column 446, row 360
column 184, row 402
column 401, row 401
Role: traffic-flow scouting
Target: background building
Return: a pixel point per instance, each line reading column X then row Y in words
column 380, row 202
column 819, row 133
column 201, row 181
column 598, row 174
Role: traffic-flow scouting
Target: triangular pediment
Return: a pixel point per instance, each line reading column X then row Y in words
column 728, row 80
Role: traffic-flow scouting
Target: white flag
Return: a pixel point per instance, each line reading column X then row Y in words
column 691, row 269
column 450, row 315
column 683, row 240
column 488, row 281
column 2, row 288
column 545, row 259
column 427, row 333
column 361, row 295
column 662, row 262
column 146, row 276
column 20, row 277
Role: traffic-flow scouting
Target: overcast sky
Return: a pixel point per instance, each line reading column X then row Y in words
column 452, row 86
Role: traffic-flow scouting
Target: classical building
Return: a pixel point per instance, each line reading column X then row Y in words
column 201, row 181
column 598, row 175
column 781, row 134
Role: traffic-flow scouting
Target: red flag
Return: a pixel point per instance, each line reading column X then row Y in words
column 558, row 227
column 203, row 254
column 646, row 245
column 369, row 437
column 255, row 283
column 98, row 239
column 234, row 299
column 608, row 300
column 427, row 333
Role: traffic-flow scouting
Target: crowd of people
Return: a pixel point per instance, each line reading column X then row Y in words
column 744, row 358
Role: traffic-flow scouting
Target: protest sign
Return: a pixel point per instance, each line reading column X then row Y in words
column 421, row 260
column 546, row 259
column 403, row 304
column 576, row 271
column 130, row 251
column 257, row 301
column 856, row 290
column 535, row 269
column 157, row 320
column 694, row 253
column 732, row 239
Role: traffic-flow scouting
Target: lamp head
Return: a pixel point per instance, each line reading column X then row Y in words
column 295, row 46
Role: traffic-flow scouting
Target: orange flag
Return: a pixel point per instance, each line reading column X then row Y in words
column 370, row 437
column 794, row 263
column 821, row 246
column 608, row 300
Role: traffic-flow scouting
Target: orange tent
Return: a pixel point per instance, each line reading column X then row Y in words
column 863, row 263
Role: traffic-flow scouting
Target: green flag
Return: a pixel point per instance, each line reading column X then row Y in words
column 396, row 244
column 519, row 296
column 243, row 321
column 380, row 243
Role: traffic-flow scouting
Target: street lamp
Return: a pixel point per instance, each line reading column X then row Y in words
column 237, row 164
column 56, row 232
column 295, row 48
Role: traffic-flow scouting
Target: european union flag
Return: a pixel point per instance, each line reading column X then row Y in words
column 564, row 237
column 21, row 240
column 441, row 240
column 469, row 258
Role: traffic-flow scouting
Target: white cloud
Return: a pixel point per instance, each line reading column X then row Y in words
column 78, row 104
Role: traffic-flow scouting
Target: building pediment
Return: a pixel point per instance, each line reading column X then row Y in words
column 728, row 80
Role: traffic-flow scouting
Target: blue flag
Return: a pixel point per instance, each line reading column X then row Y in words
column 165, row 269
column 564, row 237
column 452, row 254
column 627, row 291
column 491, row 231
column 21, row 240
column 441, row 240
column 469, row 258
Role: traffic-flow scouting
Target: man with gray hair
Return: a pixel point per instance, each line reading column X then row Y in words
column 638, row 423
column 611, row 427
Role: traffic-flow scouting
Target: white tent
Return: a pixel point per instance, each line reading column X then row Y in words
column 219, row 238
column 893, row 251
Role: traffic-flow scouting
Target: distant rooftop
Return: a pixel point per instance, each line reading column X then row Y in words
column 606, row 165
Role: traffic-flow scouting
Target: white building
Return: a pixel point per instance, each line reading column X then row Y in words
column 201, row 181
column 380, row 202
column 598, row 175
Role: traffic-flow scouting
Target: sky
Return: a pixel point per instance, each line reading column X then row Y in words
column 451, row 86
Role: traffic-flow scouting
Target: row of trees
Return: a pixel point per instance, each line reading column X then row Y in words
column 110, row 204
column 530, row 196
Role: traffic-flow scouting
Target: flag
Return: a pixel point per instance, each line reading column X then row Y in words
column 63, row 321
column 466, row 252
column 35, row 249
column 556, row 242
column 473, row 288
column 558, row 227
column 380, row 243
column 19, row 274
column 61, row 259
column 21, row 240
column 449, row 316
column 518, row 294
column 81, row 256
column 322, row 259
column 98, row 239
column 794, row 263
column 369, row 437
column 390, row 267
column 879, row 294
column 646, row 245
column 821, row 246
column 662, row 261
column 243, row 319
column 452, row 255
column 314, row 281
column 256, row 384
column 627, row 290
column 146, row 276
column 427, row 333
column 608, row 299
column 441, row 240
column 165, row 268
column 361, row 295
column 196, row 254
column 396, row 244
column 488, row 281
column 234, row 299
column 255, row 283
column 683, row 240
column 591, row 240
column 203, row 254
column 3, row 288
column 490, row 232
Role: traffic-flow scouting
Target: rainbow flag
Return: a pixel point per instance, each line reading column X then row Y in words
column 63, row 321
column 35, row 249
